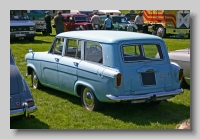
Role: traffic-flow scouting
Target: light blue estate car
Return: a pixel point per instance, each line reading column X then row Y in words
column 106, row 66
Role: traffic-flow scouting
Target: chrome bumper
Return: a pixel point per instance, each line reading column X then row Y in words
column 24, row 111
column 145, row 97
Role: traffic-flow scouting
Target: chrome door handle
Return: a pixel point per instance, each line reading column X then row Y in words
column 75, row 64
column 57, row 60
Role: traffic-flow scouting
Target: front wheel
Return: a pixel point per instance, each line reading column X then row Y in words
column 161, row 32
column 31, row 39
column 89, row 100
column 35, row 81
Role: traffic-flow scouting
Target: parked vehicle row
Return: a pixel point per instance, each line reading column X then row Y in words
column 106, row 67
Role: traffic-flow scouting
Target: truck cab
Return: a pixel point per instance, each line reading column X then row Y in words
column 21, row 26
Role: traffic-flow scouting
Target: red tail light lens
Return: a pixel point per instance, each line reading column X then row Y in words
column 29, row 101
column 180, row 74
column 119, row 77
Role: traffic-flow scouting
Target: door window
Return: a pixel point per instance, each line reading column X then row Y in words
column 73, row 48
column 57, row 47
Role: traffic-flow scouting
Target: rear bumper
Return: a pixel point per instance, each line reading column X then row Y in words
column 145, row 97
column 24, row 111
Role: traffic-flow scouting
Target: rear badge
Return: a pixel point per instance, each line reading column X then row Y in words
column 17, row 103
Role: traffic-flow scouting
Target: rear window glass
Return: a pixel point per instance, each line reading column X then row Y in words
column 14, row 86
column 141, row 52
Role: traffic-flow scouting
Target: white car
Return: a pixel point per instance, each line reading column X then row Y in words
column 182, row 59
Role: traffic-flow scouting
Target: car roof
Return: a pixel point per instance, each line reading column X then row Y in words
column 106, row 36
column 65, row 15
column 111, row 16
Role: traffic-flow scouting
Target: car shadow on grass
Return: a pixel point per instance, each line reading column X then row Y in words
column 36, row 41
column 142, row 114
column 24, row 123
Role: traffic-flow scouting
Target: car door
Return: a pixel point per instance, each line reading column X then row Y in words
column 49, row 64
column 68, row 64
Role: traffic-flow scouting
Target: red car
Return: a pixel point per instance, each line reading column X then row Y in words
column 76, row 22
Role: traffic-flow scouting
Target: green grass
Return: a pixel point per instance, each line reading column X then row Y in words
column 58, row 110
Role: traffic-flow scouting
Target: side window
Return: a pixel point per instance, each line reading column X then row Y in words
column 132, row 53
column 153, row 51
column 73, row 48
column 93, row 52
column 57, row 46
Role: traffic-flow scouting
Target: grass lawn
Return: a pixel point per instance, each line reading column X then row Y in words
column 58, row 110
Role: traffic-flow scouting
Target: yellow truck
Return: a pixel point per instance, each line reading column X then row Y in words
column 167, row 22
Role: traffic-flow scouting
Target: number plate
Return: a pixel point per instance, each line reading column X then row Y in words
column 20, row 35
column 41, row 27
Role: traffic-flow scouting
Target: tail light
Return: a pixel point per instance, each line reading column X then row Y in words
column 118, row 79
column 180, row 74
column 29, row 101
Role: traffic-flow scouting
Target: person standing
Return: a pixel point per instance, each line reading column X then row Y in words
column 95, row 20
column 107, row 23
column 48, row 23
column 139, row 21
column 59, row 22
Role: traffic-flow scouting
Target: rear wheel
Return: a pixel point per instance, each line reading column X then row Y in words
column 155, row 102
column 89, row 100
column 35, row 81
column 31, row 39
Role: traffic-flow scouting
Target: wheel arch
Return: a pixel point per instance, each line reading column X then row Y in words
column 79, row 85
column 30, row 68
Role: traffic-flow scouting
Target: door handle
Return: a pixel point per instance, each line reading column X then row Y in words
column 75, row 64
column 57, row 60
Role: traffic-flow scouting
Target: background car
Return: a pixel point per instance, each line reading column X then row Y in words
column 21, row 99
column 120, row 23
column 76, row 21
column 182, row 59
column 130, row 16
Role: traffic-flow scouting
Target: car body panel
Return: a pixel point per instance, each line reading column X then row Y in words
column 70, row 74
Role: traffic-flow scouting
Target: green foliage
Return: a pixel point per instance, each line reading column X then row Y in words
column 58, row 110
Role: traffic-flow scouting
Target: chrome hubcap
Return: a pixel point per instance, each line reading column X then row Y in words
column 34, row 80
column 160, row 32
column 88, row 98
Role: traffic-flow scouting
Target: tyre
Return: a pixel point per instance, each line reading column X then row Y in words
column 184, row 84
column 44, row 33
column 89, row 100
column 156, row 102
column 161, row 32
column 35, row 81
column 31, row 39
